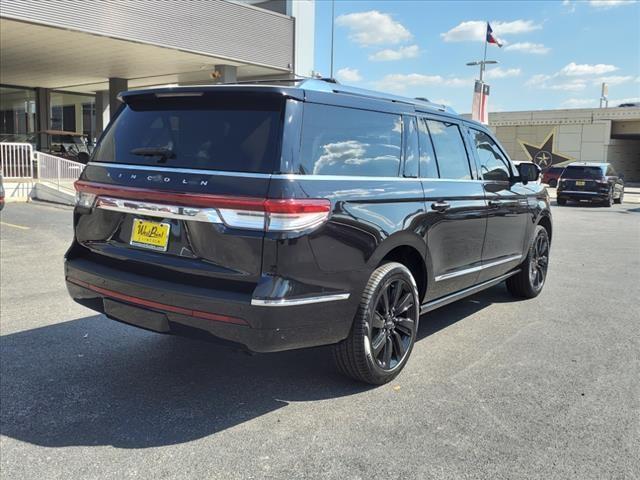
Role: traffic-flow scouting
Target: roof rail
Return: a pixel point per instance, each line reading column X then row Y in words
column 332, row 86
column 286, row 79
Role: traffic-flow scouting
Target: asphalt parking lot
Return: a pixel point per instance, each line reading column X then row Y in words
column 496, row 388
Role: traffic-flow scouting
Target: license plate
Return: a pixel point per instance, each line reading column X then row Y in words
column 580, row 183
column 151, row 235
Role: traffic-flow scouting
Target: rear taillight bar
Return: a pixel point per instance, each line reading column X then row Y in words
column 273, row 215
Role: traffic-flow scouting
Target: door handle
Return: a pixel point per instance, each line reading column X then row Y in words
column 440, row 206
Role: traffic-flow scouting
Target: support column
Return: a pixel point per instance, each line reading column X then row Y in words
column 102, row 111
column 226, row 73
column 116, row 85
column 43, row 116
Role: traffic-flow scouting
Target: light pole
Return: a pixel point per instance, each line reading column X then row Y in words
column 482, row 64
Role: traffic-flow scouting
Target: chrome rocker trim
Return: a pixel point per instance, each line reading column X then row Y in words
column 289, row 302
column 441, row 302
column 466, row 271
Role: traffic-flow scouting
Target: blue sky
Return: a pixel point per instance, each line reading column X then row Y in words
column 556, row 53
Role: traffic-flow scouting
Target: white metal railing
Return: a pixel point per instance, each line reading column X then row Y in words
column 16, row 160
column 57, row 171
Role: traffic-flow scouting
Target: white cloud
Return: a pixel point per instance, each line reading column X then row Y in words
column 527, row 47
column 617, row 101
column 388, row 54
column 571, row 7
column 575, row 77
column 475, row 30
column 614, row 79
column 373, row 28
column 574, row 69
column 594, row 102
column 556, row 82
column 603, row 4
column 398, row 82
column 348, row 75
column 569, row 86
column 498, row 72
column 579, row 103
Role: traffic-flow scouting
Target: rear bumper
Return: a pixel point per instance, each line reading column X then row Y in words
column 582, row 195
column 169, row 307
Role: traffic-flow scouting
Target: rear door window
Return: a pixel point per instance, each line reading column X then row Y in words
column 348, row 141
column 411, row 150
column 428, row 166
column 239, row 133
column 451, row 153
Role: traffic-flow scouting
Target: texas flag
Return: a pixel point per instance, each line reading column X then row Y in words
column 491, row 38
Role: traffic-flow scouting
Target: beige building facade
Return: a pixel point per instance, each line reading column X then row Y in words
column 561, row 136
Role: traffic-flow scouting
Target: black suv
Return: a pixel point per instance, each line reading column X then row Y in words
column 282, row 217
column 594, row 182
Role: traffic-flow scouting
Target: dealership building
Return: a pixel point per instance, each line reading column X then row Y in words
column 63, row 62
column 558, row 137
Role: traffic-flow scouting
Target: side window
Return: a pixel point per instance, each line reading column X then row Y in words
column 411, row 146
column 428, row 166
column 451, row 154
column 611, row 172
column 347, row 141
column 492, row 164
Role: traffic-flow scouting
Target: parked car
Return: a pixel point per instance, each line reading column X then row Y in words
column 550, row 175
column 1, row 192
column 283, row 217
column 589, row 181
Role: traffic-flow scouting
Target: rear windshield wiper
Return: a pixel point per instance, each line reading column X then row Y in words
column 162, row 152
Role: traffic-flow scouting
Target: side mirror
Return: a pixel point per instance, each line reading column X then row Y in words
column 529, row 172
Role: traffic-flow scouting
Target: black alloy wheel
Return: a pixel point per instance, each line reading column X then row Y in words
column 392, row 325
column 528, row 282
column 539, row 262
column 384, row 328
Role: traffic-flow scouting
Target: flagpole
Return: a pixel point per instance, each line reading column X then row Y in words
column 484, row 58
column 333, row 6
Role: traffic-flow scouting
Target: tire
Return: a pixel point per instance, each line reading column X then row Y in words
column 609, row 200
column 524, row 284
column 620, row 199
column 379, row 344
column 561, row 201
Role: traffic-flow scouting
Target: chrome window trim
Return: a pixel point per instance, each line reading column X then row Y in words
column 279, row 176
column 289, row 302
column 466, row 271
column 126, row 166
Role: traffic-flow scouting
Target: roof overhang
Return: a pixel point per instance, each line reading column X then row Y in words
column 36, row 55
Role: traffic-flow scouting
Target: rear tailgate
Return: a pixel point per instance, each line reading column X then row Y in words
column 161, row 195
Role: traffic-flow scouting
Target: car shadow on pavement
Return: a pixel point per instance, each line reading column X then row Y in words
column 93, row 381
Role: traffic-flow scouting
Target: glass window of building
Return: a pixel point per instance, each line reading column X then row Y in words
column 17, row 114
column 72, row 112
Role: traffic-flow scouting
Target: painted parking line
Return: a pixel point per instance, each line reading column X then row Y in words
column 20, row 227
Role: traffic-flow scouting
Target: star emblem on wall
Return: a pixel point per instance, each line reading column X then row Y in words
column 543, row 155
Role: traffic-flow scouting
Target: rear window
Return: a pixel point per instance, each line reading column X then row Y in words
column 347, row 141
column 450, row 151
column 582, row 172
column 239, row 133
